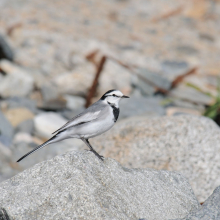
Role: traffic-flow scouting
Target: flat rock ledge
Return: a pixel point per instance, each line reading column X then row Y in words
column 77, row 185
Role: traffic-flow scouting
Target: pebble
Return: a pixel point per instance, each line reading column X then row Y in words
column 5, row 50
column 46, row 123
column 74, row 102
column 5, row 126
column 18, row 115
column 16, row 78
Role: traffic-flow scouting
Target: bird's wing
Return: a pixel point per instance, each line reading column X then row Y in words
column 79, row 119
column 88, row 115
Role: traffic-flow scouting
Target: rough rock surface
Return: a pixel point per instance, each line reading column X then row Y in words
column 187, row 144
column 210, row 210
column 80, row 186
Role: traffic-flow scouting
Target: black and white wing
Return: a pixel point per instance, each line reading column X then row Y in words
column 90, row 114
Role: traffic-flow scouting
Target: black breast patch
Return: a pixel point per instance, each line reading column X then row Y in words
column 115, row 111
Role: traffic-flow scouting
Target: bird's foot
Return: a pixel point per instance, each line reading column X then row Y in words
column 99, row 156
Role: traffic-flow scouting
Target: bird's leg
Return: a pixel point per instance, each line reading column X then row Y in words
column 86, row 141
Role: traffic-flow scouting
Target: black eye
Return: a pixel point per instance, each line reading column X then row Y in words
column 114, row 95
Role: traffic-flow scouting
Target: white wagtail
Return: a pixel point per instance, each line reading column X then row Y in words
column 95, row 120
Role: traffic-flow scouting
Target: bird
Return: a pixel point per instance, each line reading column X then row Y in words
column 93, row 121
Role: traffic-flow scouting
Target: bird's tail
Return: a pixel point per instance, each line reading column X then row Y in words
column 51, row 140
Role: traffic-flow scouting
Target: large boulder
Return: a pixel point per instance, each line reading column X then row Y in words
column 210, row 210
column 187, row 144
column 80, row 186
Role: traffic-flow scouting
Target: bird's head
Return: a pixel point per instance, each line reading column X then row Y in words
column 113, row 97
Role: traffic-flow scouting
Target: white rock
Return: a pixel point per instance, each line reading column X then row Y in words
column 46, row 123
column 23, row 137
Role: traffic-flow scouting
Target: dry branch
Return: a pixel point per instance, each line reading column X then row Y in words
column 93, row 88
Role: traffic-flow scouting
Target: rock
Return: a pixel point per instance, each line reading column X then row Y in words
column 187, row 144
column 5, row 140
column 149, row 106
column 16, row 83
column 46, row 123
column 26, row 126
column 18, row 115
column 5, row 160
column 184, row 104
column 178, row 111
column 53, row 105
column 5, row 49
column 16, row 102
column 111, row 79
column 187, row 50
column 173, row 68
column 191, row 95
column 51, row 98
column 22, row 147
column 210, row 210
column 5, row 126
column 154, row 79
column 49, row 92
column 23, row 137
column 74, row 102
column 78, row 185
column 76, row 82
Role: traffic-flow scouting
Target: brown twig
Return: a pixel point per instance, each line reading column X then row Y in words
column 132, row 69
column 13, row 27
column 181, row 77
column 168, row 14
column 91, row 57
column 93, row 88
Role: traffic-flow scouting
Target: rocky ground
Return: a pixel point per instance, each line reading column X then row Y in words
column 163, row 54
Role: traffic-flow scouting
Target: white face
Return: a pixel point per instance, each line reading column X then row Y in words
column 114, row 97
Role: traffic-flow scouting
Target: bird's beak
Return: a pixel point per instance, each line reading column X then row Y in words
column 124, row 96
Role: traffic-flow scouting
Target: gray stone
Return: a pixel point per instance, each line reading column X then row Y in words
column 149, row 106
column 174, row 68
column 154, row 79
column 16, row 102
column 5, row 49
column 16, row 83
column 78, row 185
column 5, row 126
column 74, row 102
column 187, row 144
column 46, row 123
column 49, row 92
column 187, row 50
column 26, row 126
column 191, row 105
column 48, row 152
column 191, row 94
column 210, row 210
column 6, row 170
column 76, row 82
column 5, row 140
column 56, row 104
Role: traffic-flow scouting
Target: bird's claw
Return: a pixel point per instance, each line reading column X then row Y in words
column 99, row 156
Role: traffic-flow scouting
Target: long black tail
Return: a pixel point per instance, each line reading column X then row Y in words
column 37, row 148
